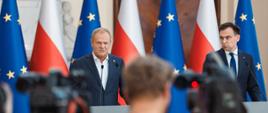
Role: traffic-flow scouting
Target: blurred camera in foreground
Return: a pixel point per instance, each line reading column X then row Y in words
column 213, row 91
column 53, row 93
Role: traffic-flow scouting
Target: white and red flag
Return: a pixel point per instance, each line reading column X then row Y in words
column 206, row 37
column 128, row 41
column 48, row 52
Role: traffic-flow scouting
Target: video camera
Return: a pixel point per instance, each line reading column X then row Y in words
column 213, row 91
column 53, row 93
column 189, row 79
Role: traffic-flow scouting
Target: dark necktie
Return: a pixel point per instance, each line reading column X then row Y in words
column 233, row 63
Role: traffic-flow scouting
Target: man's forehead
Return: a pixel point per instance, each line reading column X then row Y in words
column 227, row 32
column 228, row 29
column 101, row 35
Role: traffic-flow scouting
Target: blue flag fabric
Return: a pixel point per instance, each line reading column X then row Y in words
column 89, row 20
column 168, row 46
column 248, row 41
column 13, row 61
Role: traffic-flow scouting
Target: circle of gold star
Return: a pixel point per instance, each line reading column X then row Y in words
column 253, row 20
column 19, row 22
column 7, row 17
column 159, row 23
column 185, row 67
column 91, row 17
column 10, row 74
column 176, row 72
column 80, row 22
column 258, row 66
column 170, row 17
column 243, row 17
column 23, row 69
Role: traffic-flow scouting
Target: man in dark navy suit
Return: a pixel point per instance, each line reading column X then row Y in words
column 240, row 62
column 102, row 70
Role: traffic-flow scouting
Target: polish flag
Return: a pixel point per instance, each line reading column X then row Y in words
column 206, row 37
column 48, row 52
column 128, row 41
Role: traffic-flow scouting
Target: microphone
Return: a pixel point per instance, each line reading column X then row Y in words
column 102, row 66
column 101, row 93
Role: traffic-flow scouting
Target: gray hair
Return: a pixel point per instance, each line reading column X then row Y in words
column 100, row 30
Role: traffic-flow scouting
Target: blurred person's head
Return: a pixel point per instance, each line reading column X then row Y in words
column 148, row 79
column 101, row 42
column 6, row 98
column 229, row 36
column 2, row 99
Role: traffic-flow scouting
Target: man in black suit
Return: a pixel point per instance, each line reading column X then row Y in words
column 240, row 62
column 102, row 70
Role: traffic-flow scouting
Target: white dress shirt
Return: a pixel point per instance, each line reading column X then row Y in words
column 103, row 73
column 235, row 52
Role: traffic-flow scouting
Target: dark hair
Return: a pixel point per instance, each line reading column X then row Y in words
column 226, row 25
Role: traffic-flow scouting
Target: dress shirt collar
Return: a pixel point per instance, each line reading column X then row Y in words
column 235, row 52
column 97, row 59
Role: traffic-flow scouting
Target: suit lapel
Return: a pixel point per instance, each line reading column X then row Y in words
column 93, row 69
column 110, row 68
column 240, row 64
column 223, row 57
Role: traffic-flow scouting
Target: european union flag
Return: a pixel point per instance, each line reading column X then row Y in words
column 248, row 41
column 168, row 46
column 89, row 20
column 13, row 61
